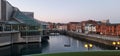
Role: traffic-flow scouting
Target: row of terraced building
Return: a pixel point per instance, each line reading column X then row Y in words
column 90, row 26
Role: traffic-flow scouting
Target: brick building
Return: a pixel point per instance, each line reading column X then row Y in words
column 89, row 26
column 74, row 26
column 108, row 29
column 118, row 30
column 52, row 26
column 84, row 26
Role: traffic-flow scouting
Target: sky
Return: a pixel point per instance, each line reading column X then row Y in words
column 64, row 11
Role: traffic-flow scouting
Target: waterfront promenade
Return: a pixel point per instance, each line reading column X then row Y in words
column 105, row 37
column 98, row 39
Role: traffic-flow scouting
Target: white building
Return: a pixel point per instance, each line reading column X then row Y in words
column 62, row 27
column 78, row 28
column 90, row 28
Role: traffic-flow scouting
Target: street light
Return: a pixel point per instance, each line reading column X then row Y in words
column 116, row 43
column 88, row 46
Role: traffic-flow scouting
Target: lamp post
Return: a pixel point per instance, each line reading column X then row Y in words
column 116, row 43
column 88, row 46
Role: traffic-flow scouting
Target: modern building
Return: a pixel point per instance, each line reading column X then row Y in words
column 44, row 25
column 13, row 19
column 16, row 26
column 6, row 10
column 29, row 14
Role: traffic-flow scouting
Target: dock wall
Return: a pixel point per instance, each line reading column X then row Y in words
column 9, row 38
column 95, row 40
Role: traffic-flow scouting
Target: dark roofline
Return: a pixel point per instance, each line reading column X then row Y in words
column 112, row 24
column 74, row 22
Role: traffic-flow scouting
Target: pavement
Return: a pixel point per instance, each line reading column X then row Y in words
column 111, row 38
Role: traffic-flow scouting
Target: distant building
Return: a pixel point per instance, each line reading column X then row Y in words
column 88, row 26
column 74, row 26
column 52, row 26
column 105, row 21
column 62, row 26
column 78, row 27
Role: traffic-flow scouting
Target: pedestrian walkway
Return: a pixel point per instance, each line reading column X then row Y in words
column 111, row 38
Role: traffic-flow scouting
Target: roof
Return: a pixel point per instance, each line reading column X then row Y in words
column 74, row 22
column 42, row 22
column 60, row 24
column 12, row 22
column 112, row 24
column 25, row 19
column 109, row 24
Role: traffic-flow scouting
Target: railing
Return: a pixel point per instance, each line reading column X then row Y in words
column 30, row 32
column 2, row 32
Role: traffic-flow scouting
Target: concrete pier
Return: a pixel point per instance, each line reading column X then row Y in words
column 12, row 37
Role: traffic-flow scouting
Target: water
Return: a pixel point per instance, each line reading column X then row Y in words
column 55, row 44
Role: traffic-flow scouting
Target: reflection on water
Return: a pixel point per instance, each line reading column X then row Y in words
column 59, row 43
column 66, row 44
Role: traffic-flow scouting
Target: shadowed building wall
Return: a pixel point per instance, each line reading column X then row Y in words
column 6, row 10
column 3, row 10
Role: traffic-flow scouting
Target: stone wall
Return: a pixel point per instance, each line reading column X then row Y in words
column 5, row 39
column 94, row 40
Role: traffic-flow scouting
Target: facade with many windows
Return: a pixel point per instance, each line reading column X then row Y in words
column 108, row 29
column 12, row 19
